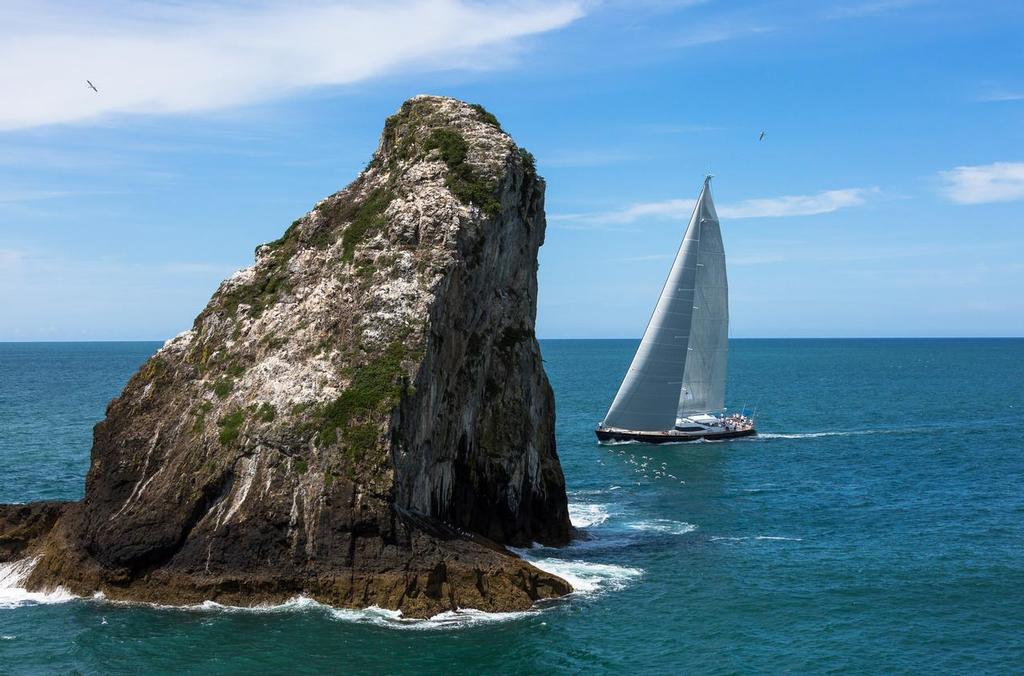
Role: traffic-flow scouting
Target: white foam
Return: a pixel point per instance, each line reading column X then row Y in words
column 13, row 595
column 586, row 515
column 756, row 537
column 815, row 435
column 587, row 577
column 464, row 617
column 666, row 526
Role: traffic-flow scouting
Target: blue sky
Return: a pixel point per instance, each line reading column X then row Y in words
column 887, row 198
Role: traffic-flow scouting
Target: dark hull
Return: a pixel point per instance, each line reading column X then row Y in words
column 668, row 437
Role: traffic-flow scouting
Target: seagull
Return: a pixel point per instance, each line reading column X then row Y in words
column 761, row 137
column 92, row 86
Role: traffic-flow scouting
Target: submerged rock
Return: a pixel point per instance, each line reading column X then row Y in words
column 362, row 416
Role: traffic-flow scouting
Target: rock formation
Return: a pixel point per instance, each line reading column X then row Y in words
column 362, row 416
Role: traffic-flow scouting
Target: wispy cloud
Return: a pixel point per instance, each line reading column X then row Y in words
column 776, row 17
column 996, row 182
column 22, row 261
column 16, row 196
column 177, row 58
column 765, row 207
column 1001, row 95
column 798, row 205
column 871, row 8
column 704, row 35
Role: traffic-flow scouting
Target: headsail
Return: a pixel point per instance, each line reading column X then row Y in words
column 651, row 394
column 704, row 376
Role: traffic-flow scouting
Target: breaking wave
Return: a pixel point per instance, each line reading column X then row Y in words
column 666, row 526
column 584, row 515
column 586, row 577
column 13, row 595
column 374, row 615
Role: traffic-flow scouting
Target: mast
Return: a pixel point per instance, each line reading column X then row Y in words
column 649, row 396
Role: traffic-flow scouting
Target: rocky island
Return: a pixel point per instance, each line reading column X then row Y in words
column 361, row 417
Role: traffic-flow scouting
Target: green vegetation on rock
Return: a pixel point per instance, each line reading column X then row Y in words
column 230, row 426
column 200, row 422
column 222, row 387
column 462, row 179
column 266, row 412
column 484, row 115
column 258, row 295
column 364, row 218
column 529, row 162
column 375, row 387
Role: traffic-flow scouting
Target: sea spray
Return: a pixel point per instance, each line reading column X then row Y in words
column 587, row 515
column 14, row 595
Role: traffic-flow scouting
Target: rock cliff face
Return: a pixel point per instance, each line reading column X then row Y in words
column 362, row 416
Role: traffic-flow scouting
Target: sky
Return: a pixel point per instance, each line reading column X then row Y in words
column 886, row 199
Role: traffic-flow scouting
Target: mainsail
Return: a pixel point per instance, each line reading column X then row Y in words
column 679, row 368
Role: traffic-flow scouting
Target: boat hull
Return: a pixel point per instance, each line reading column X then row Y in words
column 669, row 437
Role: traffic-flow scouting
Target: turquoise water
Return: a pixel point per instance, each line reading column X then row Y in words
column 876, row 524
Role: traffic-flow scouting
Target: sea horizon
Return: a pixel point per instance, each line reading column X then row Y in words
column 543, row 339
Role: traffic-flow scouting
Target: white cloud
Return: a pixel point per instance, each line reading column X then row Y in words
column 797, row 205
column 1001, row 95
column 871, row 8
column 174, row 58
column 706, row 35
column 16, row 196
column 996, row 182
column 768, row 207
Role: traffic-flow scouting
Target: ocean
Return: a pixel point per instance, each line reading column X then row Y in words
column 876, row 524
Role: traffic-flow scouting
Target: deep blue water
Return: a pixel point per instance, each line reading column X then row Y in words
column 876, row 524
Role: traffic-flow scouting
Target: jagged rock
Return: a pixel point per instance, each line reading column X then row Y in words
column 362, row 416
column 23, row 524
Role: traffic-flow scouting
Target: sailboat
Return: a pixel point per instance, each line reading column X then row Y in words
column 675, row 387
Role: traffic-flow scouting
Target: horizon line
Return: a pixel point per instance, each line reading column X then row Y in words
column 164, row 340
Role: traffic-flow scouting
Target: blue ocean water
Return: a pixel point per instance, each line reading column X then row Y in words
column 876, row 524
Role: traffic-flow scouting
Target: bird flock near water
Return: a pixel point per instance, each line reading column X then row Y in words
column 655, row 471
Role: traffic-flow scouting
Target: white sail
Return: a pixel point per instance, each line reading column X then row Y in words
column 704, row 375
column 651, row 395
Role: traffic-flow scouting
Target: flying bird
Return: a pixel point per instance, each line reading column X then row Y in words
column 92, row 86
column 761, row 137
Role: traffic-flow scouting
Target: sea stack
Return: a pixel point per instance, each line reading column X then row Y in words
column 361, row 417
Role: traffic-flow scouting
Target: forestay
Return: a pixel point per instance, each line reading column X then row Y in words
column 689, row 326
